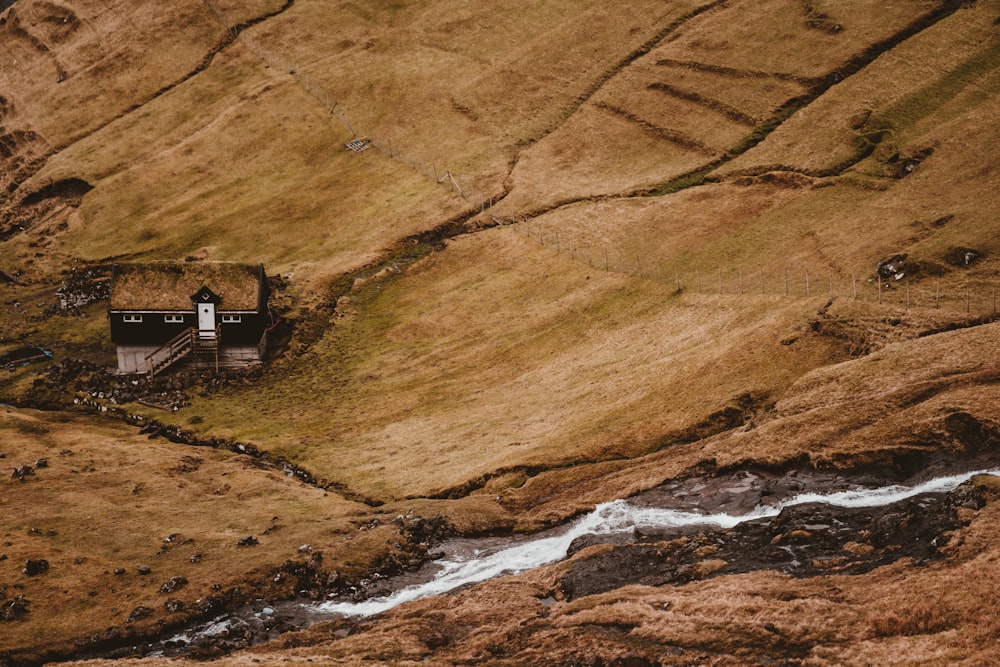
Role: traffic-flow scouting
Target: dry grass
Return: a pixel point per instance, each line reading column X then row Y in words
column 732, row 620
column 109, row 498
column 497, row 354
column 242, row 206
column 169, row 286
column 109, row 56
column 647, row 141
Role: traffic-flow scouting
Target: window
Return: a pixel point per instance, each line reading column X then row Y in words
column 173, row 319
column 132, row 318
column 231, row 319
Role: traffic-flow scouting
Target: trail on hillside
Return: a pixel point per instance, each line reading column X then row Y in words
column 815, row 87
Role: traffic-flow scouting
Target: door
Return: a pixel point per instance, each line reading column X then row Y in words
column 206, row 320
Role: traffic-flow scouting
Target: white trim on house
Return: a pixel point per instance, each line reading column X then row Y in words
column 132, row 318
column 173, row 319
column 190, row 311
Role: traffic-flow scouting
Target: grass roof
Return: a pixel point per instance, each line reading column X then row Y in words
column 169, row 285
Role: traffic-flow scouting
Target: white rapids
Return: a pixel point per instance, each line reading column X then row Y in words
column 617, row 517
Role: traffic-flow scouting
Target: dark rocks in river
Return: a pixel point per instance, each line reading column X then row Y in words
column 803, row 541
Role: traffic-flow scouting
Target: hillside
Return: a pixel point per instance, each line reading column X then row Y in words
column 586, row 253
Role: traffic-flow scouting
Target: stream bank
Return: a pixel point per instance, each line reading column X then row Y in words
column 803, row 523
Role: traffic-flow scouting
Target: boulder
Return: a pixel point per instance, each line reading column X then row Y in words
column 173, row 584
column 35, row 566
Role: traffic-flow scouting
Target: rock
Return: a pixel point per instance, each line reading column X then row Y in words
column 173, row 605
column 172, row 584
column 891, row 266
column 144, row 570
column 138, row 613
column 35, row 566
column 119, row 571
column 11, row 610
column 962, row 257
column 42, row 463
column 248, row 541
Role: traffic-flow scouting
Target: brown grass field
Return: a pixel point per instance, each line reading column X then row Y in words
column 634, row 306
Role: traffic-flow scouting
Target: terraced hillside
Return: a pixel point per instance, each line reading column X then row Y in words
column 586, row 252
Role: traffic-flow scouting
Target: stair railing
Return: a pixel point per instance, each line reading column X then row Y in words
column 174, row 349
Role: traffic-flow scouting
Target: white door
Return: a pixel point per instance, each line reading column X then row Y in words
column 206, row 320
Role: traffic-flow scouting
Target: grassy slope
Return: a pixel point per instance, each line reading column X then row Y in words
column 583, row 365
column 941, row 614
column 587, row 368
column 107, row 482
column 500, row 352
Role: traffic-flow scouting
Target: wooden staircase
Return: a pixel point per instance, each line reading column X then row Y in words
column 190, row 342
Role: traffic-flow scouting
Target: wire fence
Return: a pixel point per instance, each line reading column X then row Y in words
column 971, row 297
column 976, row 299
column 384, row 145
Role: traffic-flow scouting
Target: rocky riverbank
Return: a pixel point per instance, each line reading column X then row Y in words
column 805, row 540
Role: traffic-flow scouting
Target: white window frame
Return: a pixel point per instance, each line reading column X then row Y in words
column 132, row 318
column 173, row 319
column 232, row 319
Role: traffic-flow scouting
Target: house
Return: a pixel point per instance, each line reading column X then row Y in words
column 202, row 314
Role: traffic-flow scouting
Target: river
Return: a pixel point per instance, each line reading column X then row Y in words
column 470, row 561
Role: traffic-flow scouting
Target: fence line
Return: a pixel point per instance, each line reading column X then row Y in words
column 975, row 298
column 385, row 146
column 728, row 281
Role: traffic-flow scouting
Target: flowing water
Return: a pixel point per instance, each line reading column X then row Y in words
column 617, row 517
column 470, row 561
